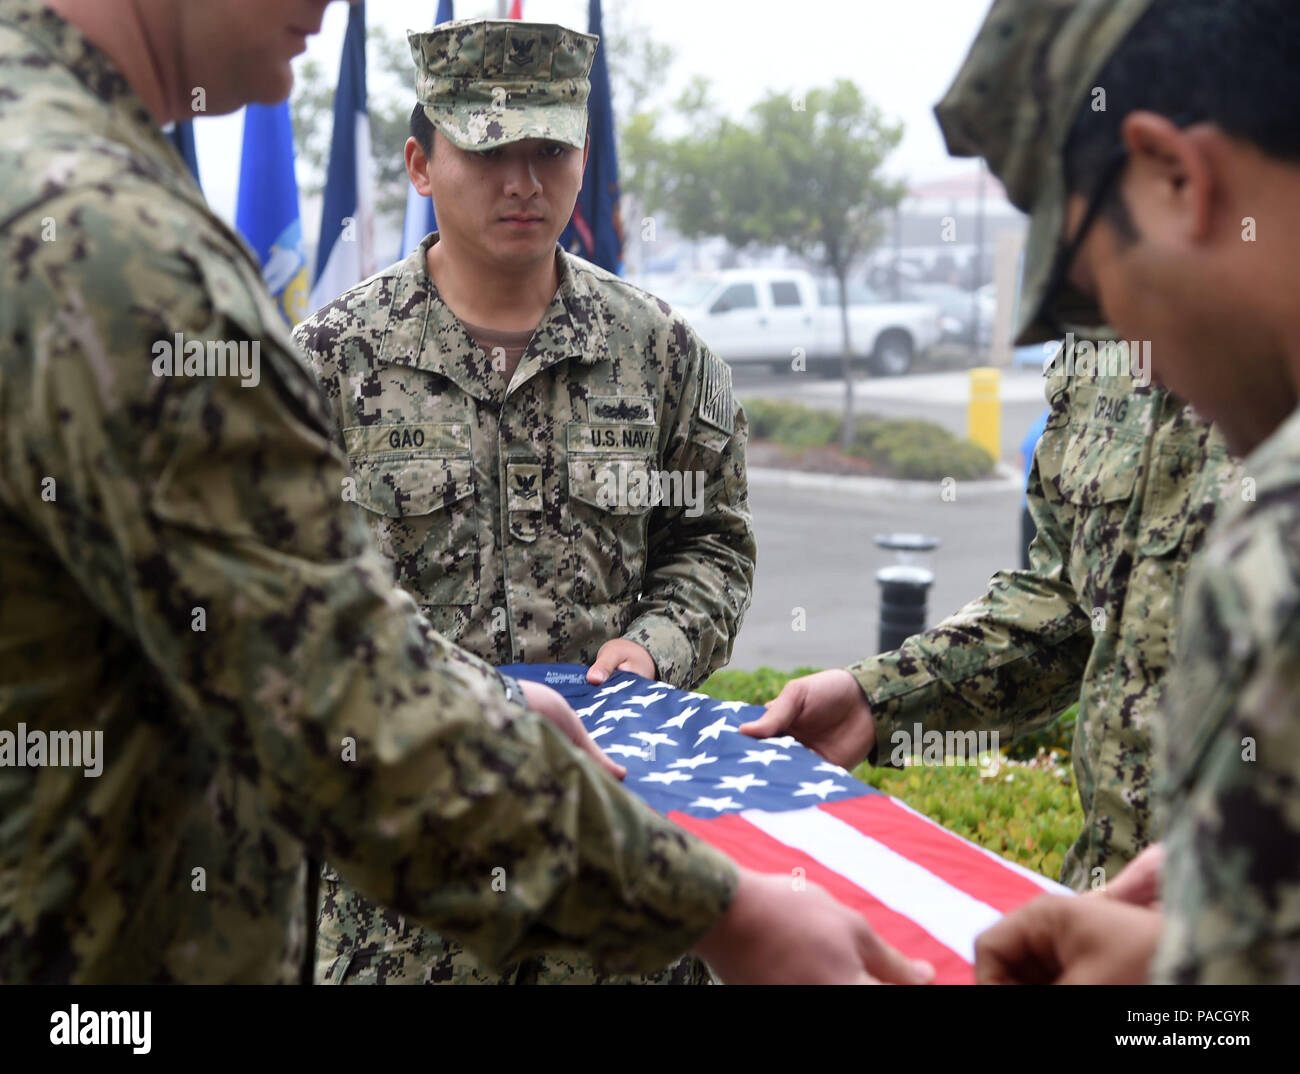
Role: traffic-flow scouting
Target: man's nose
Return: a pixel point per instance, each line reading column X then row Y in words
column 520, row 176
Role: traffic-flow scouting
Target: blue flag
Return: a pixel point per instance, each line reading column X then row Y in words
column 596, row 230
column 182, row 137
column 345, row 255
column 420, row 219
column 267, row 212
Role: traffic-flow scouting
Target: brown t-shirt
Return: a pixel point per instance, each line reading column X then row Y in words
column 513, row 344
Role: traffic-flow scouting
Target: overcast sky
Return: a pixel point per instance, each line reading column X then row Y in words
column 901, row 53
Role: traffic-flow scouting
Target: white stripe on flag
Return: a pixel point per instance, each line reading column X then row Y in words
column 951, row 916
column 352, row 257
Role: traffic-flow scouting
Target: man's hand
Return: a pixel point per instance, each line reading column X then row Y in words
column 773, row 934
column 1139, row 881
column 827, row 712
column 621, row 655
column 1061, row 939
column 556, row 711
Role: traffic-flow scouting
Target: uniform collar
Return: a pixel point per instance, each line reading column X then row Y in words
column 127, row 121
column 423, row 332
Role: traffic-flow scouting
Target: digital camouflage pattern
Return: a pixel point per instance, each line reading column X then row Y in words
column 1231, row 737
column 129, row 504
column 512, row 516
column 1125, row 483
column 1032, row 66
column 487, row 82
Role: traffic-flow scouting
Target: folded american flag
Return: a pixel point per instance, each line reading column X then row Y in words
column 776, row 807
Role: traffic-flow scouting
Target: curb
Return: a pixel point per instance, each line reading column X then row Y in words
column 1009, row 479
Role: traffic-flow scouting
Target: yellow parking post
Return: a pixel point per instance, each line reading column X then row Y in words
column 984, row 414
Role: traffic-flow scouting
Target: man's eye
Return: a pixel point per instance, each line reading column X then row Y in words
column 553, row 150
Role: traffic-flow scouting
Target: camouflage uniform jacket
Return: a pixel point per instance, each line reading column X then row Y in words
column 1125, row 482
column 179, row 572
column 493, row 503
column 518, row 516
column 1229, row 781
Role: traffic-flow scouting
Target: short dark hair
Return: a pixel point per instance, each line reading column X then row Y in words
column 1233, row 63
column 422, row 130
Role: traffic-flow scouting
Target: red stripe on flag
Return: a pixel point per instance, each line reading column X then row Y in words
column 755, row 849
column 935, row 848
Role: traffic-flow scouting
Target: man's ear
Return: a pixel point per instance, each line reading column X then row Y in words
column 417, row 168
column 1172, row 178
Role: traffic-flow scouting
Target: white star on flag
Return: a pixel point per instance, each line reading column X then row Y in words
column 620, row 750
column 715, row 803
column 714, row 729
column 655, row 739
column 615, row 689
column 665, row 777
column 763, row 757
column 693, row 697
column 821, row 789
column 680, row 719
column 620, row 714
column 741, row 783
column 730, row 706
column 589, row 709
column 645, row 699
column 693, row 762
column 598, row 731
column 785, row 741
column 826, row 766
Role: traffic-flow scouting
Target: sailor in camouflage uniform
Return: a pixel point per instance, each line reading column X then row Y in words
column 181, row 574
column 1125, row 484
column 1145, row 211
column 507, row 473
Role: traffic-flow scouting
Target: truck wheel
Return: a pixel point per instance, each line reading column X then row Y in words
column 893, row 355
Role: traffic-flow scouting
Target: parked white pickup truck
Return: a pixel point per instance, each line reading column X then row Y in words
column 767, row 315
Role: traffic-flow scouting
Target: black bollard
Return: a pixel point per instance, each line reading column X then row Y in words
column 904, row 588
column 903, row 592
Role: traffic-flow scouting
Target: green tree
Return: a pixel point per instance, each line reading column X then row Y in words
column 804, row 173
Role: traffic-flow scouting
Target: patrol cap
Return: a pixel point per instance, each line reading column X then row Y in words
column 488, row 82
column 1033, row 65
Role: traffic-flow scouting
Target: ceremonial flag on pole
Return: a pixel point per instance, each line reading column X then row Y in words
column 267, row 211
column 420, row 219
column 182, row 137
column 596, row 230
column 776, row 807
column 346, row 253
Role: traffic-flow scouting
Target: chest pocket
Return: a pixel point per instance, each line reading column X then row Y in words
column 422, row 512
column 610, row 497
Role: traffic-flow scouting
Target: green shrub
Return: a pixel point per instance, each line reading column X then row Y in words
column 919, row 450
column 909, row 448
column 1028, row 811
column 791, row 424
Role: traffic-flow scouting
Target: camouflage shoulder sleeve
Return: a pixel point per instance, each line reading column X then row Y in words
column 1230, row 783
column 700, row 563
column 326, row 363
column 1011, row 660
column 382, row 747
